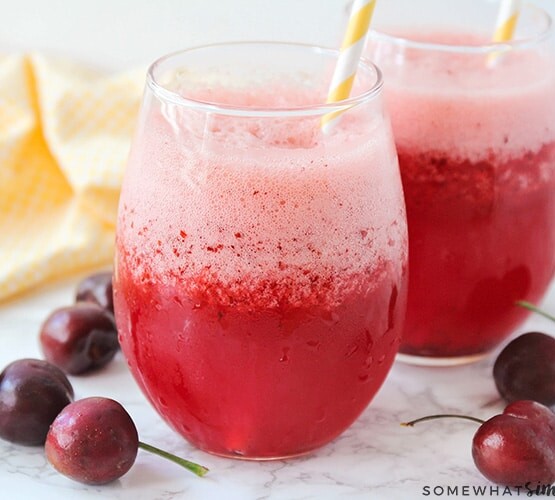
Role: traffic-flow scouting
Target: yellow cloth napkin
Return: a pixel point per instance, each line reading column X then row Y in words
column 65, row 133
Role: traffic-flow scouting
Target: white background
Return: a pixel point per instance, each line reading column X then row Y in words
column 120, row 34
column 123, row 33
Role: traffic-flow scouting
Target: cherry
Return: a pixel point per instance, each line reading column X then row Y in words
column 32, row 393
column 516, row 447
column 525, row 369
column 97, row 288
column 94, row 441
column 79, row 338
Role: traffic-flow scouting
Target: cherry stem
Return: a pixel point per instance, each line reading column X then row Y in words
column 197, row 469
column 434, row 417
column 532, row 307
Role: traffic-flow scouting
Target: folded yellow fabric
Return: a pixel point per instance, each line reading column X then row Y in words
column 65, row 133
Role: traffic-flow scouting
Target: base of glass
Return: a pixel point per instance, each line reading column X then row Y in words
column 412, row 359
column 239, row 456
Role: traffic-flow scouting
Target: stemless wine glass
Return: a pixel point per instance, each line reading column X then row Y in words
column 261, row 265
column 474, row 125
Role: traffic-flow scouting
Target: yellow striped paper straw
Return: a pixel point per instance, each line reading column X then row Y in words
column 505, row 28
column 349, row 57
column 506, row 20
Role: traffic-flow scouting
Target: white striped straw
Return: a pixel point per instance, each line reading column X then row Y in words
column 507, row 18
column 505, row 27
column 349, row 57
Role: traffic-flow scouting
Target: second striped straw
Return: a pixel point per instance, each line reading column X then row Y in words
column 349, row 57
column 505, row 27
column 506, row 20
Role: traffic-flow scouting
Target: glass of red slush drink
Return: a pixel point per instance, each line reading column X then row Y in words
column 260, row 281
column 474, row 125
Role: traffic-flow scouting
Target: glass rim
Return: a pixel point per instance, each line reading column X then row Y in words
column 486, row 48
column 319, row 109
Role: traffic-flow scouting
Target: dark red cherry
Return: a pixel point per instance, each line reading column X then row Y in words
column 518, row 446
column 97, row 288
column 515, row 448
column 93, row 441
column 79, row 338
column 525, row 369
column 32, row 393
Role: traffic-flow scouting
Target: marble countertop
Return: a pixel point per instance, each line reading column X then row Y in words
column 375, row 458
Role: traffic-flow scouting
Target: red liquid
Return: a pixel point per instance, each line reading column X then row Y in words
column 482, row 235
column 249, row 371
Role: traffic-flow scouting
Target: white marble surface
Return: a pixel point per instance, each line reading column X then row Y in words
column 375, row 458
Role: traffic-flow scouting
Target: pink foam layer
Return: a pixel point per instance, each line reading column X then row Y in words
column 465, row 106
column 233, row 199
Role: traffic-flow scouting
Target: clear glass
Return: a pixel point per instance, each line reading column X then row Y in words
column 474, row 125
column 260, row 278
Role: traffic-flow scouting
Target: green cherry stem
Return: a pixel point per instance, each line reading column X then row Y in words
column 446, row 415
column 197, row 469
column 532, row 307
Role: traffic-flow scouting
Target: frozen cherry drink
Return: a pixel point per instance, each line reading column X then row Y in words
column 261, row 265
column 474, row 124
